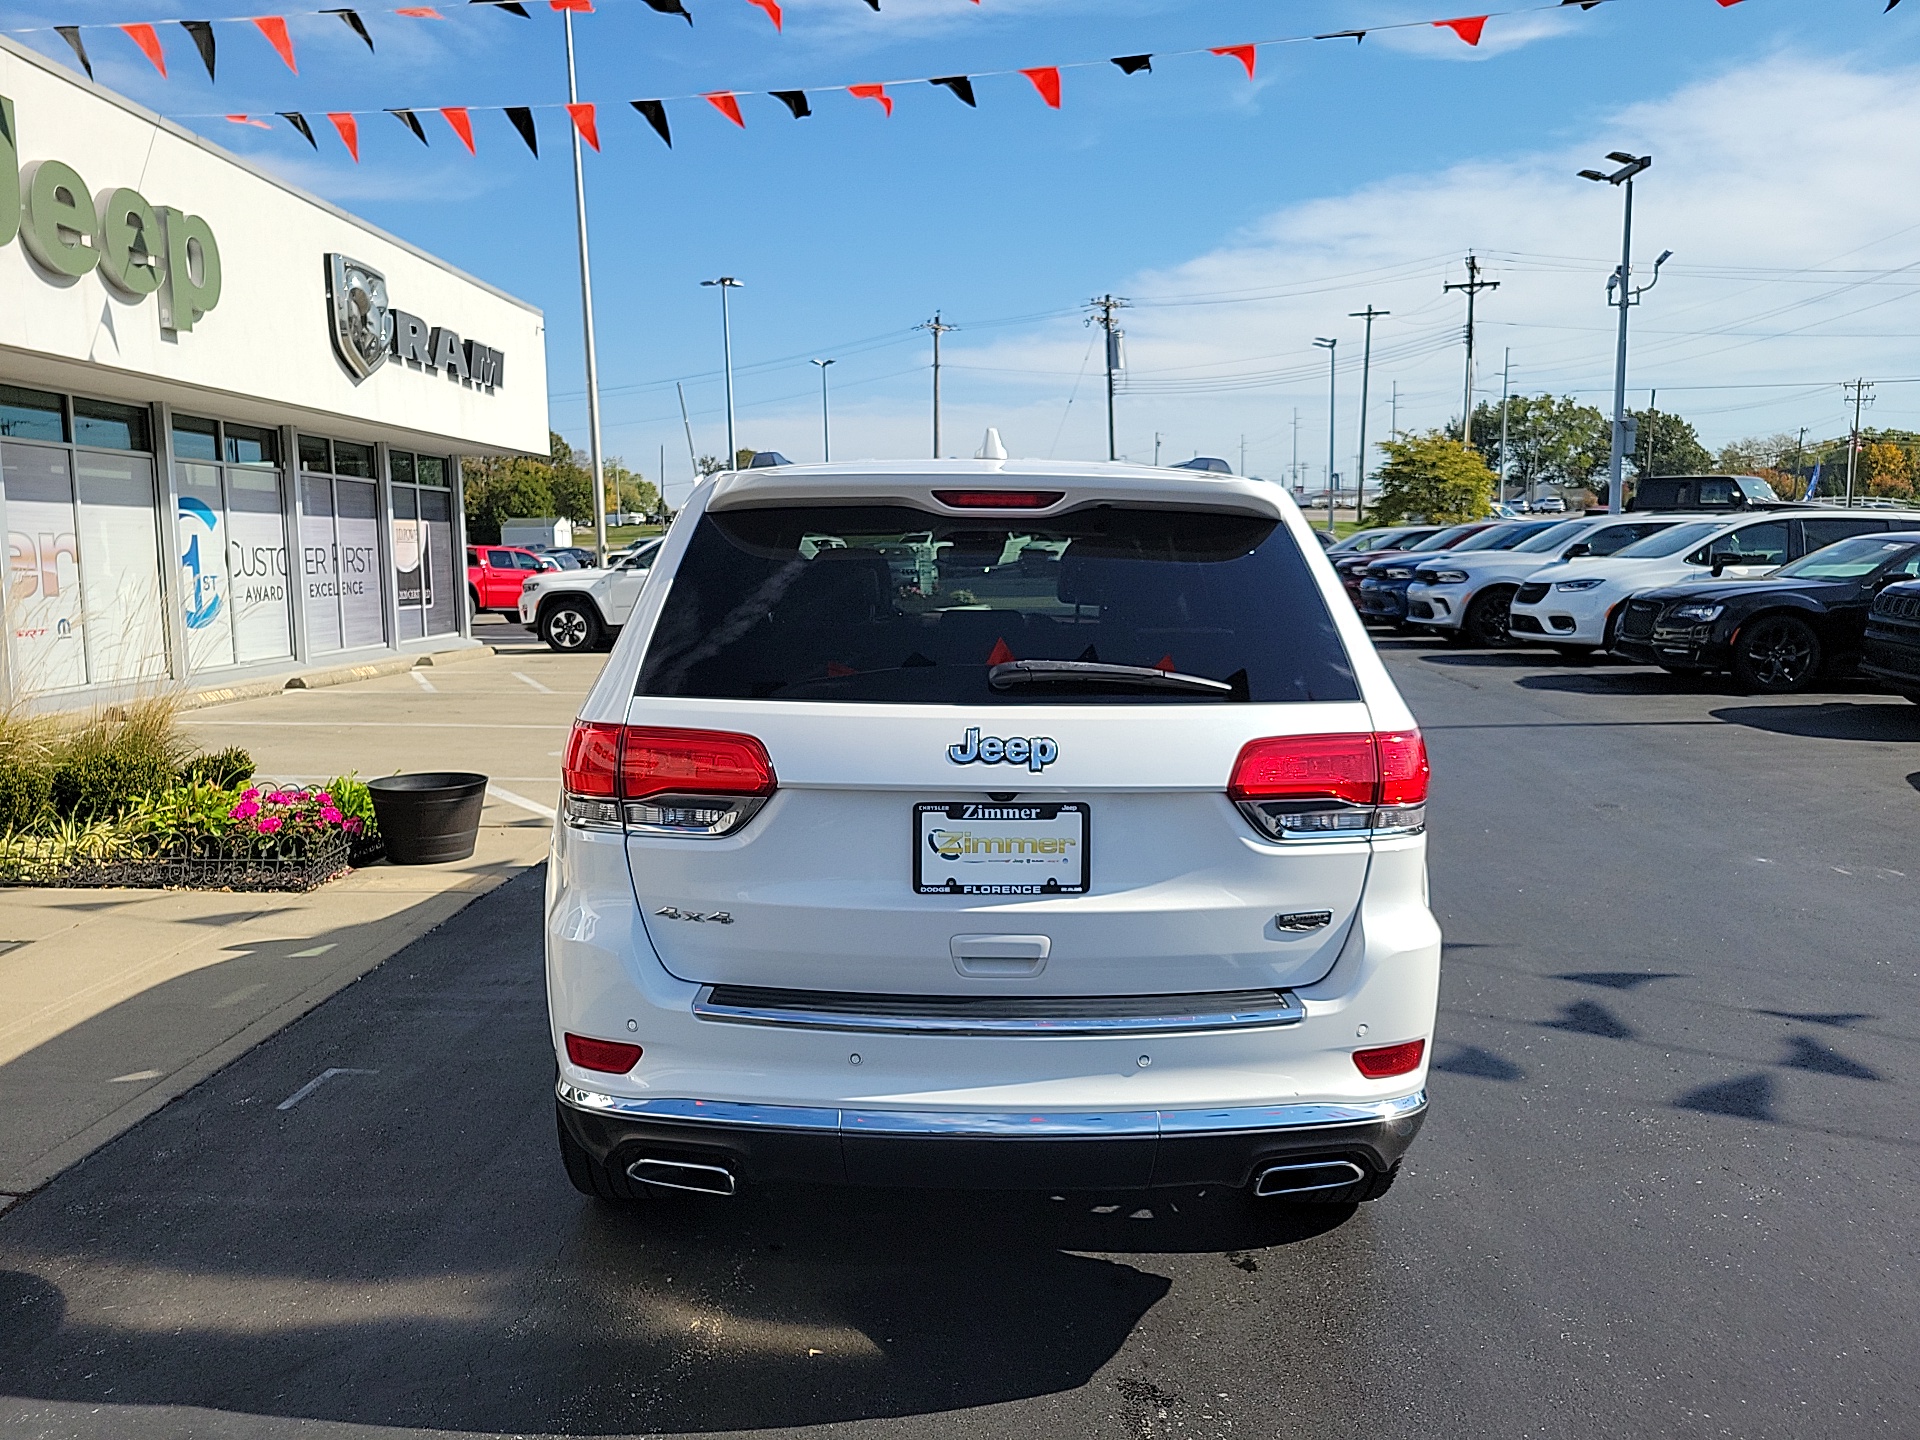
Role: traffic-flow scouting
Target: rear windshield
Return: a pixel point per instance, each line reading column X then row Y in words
column 1553, row 535
column 893, row 605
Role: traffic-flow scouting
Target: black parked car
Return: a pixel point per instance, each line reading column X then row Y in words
column 1892, row 654
column 1381, row 593
column 1777, row 633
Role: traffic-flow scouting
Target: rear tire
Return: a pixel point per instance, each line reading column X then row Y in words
column 1485, row 623
column 569, row 627
column 588, row 1175
column 1777, row 655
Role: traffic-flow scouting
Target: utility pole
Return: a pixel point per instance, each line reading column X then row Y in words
column 1506, row 388
column 1106, row 306
column 1366, row 367
column 1332, row 348
column 586, row 323
column 1621, row 292
column 938, row 330
column 1473, row 286
column 1860, row 397
column 1393, row 417
column 1243, row 456
column 1653, row 425
column 1156, row 448
column 1799, row 457
column 1296, row 447
column 693, row 462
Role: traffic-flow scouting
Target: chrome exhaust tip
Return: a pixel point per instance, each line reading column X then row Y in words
column 1306, row 1177
column 683, row 1175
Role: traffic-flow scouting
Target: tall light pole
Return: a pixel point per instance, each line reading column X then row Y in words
column 1506, row 389
column 726, row 283
column 938, row 328
column 1366, row 365
column 826, row 436
column 1620, row 292
column 1333, row 479
column 586, row 317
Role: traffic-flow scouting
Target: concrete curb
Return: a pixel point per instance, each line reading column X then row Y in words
column 333, row 675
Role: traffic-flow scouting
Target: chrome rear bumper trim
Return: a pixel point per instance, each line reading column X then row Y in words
column 1159, row 1015
column 998, row 1124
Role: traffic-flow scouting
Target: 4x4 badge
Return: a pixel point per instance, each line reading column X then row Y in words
column 1035, row 752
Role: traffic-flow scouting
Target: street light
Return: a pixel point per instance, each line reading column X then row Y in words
column 1621, row 292
column 726, row 283
column 826, row 438
column 1331, row 347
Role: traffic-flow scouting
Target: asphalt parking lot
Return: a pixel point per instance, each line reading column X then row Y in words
column 1668, row 1186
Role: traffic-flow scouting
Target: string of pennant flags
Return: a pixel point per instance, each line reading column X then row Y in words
column 145, row 34
column 1045, row 81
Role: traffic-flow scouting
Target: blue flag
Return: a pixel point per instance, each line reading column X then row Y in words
column 1813, row 484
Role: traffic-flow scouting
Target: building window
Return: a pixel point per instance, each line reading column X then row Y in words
column 340, row 546
column 84, row 595
column 233, row 543
column 423, row 544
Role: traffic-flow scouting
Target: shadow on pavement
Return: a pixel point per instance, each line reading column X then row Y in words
column 402, row 1249
column 1875, row 718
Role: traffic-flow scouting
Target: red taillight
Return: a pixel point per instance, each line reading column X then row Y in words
column 999, row 499
column 1385, row 1061
column 615, row 1057
column 658, row 761
column 1360, row 769
column 593, row 760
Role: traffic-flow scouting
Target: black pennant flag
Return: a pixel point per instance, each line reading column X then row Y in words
column 1354, row 35
column 522, row 118
column 656, row 114
column 794, row 100
column 959, row 85
column 71, row 34
column 1890, row 5
column 1133, row 64
column 202, row 33
column 355, row 24
column 512, row 7
column 670, row 7
column 412, row 122
column 876, row 5
column 299, row 122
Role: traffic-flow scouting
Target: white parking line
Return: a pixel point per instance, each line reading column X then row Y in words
column 237, row 996
column 529, row 680
column 525, row 804
column 314, row 1084
column 421, row 680
column 137, row 1075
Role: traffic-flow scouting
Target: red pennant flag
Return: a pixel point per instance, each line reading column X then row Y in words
column 249, row 120
column 349, row 129
column 585, row 123
column 1046, row 80
column 1723, row 3
column 579, row 7
column 725, row 102
column 1165, row 663
column 149, row 42
column 1243, row 53
column 462, row 123
column 274, row 28
column 772, row 9
column 1001, row 654
column 1468, row 29
column 873, row 92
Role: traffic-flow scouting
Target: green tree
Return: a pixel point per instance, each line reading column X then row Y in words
column 1666, row 444
column 1551, row 440
column 1432, row 477
column 561, row 484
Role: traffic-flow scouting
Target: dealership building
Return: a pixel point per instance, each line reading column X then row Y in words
column 230, row 413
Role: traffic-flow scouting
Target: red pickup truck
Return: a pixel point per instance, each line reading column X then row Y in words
column 495, row 574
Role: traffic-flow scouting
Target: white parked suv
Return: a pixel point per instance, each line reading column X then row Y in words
column 1466, row 596
column 1089, row 854
column 584, row 609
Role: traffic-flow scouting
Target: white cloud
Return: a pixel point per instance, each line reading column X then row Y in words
column 1788, row 230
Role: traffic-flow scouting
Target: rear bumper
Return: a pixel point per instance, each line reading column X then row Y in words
column 990, row 1151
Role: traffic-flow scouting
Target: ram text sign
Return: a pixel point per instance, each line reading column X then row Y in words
column 367, row 330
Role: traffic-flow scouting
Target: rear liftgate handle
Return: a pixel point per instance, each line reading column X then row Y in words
column 1000, row 957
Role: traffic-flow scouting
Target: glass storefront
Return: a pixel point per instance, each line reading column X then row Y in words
column 84, row 584
column 233, row 543
column 340, row 546
column 423, row 544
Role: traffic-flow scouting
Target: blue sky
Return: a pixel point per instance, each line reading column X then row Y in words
column 1243, row 218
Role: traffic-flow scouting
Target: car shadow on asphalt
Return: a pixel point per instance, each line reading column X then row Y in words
column 402, row 1249
column 1872, row 717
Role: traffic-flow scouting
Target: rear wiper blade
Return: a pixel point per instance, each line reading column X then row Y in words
column 1092, row 672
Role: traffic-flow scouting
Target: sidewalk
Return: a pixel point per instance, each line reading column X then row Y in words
column 113, row 1002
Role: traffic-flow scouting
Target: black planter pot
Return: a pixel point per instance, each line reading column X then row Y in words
column 431, row 818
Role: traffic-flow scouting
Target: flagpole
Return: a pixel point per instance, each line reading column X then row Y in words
column 586, row 316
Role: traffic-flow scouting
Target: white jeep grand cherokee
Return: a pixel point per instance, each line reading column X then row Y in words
column 991, row 824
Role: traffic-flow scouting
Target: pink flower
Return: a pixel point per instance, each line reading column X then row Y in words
column 351, row 826
column 280, row 797
column 271, row 824
column 324, row 798
column 253, row 794
column 330, row 815
column 245, row 810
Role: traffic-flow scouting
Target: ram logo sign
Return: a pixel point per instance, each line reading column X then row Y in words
column 367, row 330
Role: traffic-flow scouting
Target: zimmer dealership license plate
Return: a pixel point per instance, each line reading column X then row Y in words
column 975, row 847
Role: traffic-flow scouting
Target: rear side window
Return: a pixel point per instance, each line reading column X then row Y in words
column 1615, row 538
column 893, row 605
